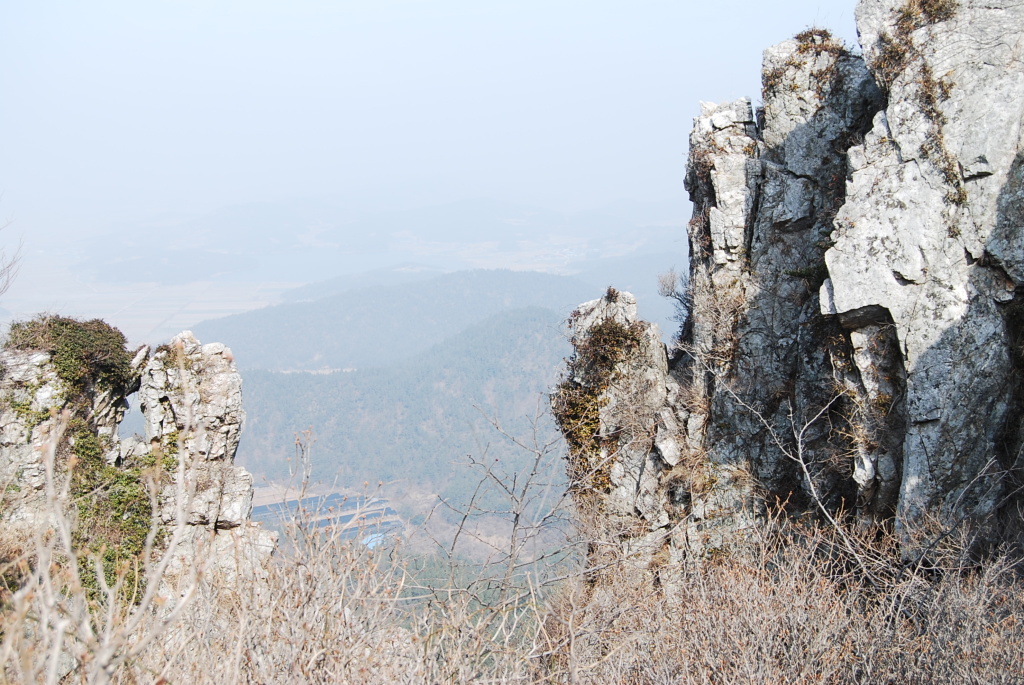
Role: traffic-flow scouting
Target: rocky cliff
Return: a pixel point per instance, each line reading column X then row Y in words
column 853, row 330
column 63, row 386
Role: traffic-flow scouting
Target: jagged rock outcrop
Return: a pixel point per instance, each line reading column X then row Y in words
column 59, row 413
column 853, row 339
column 191, row 398
column 38, row 399
column 33, row 396
column 609, row 406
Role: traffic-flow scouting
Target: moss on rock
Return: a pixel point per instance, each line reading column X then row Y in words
column 114, row 512
column 83, row 353
column 578, row 399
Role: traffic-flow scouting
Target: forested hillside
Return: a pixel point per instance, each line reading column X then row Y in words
column 379, row 326
column 396, row 371
column 411, row 421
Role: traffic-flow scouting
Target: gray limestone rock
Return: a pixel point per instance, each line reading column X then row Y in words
column 629, row 405
column 927, row 238
column 854, row 333
column 191, row 393
column 35, row 406
column 190, row 396
column 758, row 359
column 32, row 397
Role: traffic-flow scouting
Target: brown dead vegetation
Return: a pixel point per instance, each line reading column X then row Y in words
column 798, row 603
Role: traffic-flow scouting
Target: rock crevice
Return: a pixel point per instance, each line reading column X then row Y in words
column 852, row 340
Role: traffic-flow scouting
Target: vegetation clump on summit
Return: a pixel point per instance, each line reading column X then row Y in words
column 83, row 353
column 578, row 399
column 111, row 501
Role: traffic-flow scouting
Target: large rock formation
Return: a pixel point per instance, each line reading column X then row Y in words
column 928, row 243
column 853, row 339
column 43, row 391
column 191, row 398
column 60, row 451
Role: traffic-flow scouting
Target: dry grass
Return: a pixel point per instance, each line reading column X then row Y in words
column 791, row 611
column 795, row 607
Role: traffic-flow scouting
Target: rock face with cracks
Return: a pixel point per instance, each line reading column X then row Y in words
column 190, row 396
column 854, row 335
column 928, row 244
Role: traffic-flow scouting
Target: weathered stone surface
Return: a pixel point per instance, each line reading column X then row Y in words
column 32, row 396
column 33, row 406
column 190, row 396
column 628, row 410
column 756, row 356
column 928, row 235
column 855, row 330
column 191, row 393
column 226, row 557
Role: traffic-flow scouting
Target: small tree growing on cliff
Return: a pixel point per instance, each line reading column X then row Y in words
column 676, row 286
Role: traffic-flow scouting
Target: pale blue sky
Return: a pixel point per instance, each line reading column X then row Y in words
column 113, row 113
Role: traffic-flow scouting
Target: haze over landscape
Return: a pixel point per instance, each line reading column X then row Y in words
column 332, row 177
column 167, row 163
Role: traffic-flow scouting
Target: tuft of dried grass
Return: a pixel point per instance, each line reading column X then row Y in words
column 795, row 605
column 792, row 610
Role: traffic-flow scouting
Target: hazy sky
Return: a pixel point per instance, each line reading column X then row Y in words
column 113, row 113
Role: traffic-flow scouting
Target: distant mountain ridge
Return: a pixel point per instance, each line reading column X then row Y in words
column 407, row 272
column 372, row 327
column 426, row 356
column 410, row 421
